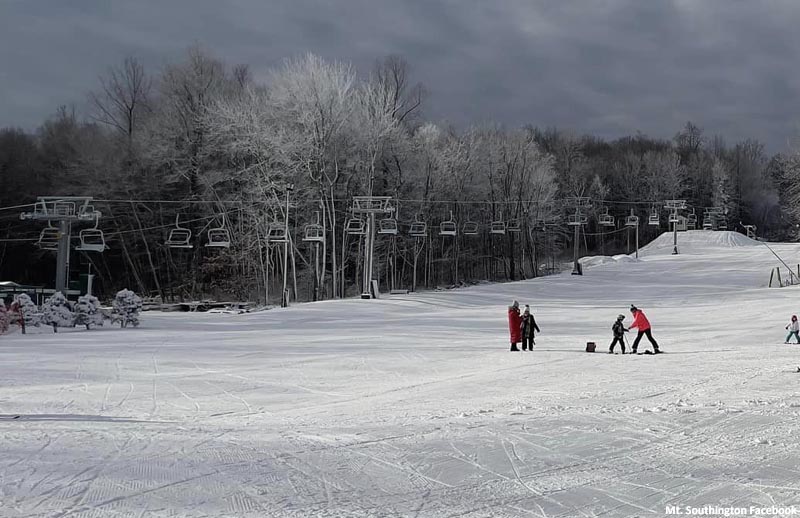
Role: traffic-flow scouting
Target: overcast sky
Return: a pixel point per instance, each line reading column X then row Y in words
column 606, row 67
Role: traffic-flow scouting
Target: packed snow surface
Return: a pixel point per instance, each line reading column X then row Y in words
column 413, row 406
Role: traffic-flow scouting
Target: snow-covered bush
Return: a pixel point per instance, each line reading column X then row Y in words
column 87, row 312
column 57, row 312
column 127, row 305
column 3, row 317
column 31, row 316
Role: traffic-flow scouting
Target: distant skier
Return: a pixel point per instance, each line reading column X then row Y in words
column 619, row 334
column 641, row 323
column 528, row 326
column 514, row 325
column 794, row 329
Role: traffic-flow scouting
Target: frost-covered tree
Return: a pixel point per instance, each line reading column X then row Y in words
column 31, row 316
column 127, row 305
column 57, row 312
column 87, row 312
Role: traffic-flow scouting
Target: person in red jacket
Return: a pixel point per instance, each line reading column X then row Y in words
column 514, row 325
column 641, row 323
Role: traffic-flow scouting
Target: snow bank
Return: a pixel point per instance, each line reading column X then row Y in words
column 592, row 261
column 697, row 241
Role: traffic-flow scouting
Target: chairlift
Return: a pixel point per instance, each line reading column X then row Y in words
column 654, row 220
column 605, row 219
column 179, row 237
column 313, row 233
column 418, row 228
column 708, row 224
column 470, row 228
column 722, row 224
column 356, row 227
column 632, row 220
column 498, row 227
column 276, row 232
column 448, row 227
column 674, row 218
column 219, row 237
column 387, row 226
column 49, row 238
column 92, row 239
column 577, row 219
column 514, row 226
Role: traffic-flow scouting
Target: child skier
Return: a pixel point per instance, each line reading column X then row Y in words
column 619, row 334
column 641, row 323
column 514, row 325
column 794, row 329
column 528, row 326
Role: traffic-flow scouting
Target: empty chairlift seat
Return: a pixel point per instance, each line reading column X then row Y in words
column 49, row 238
column 448, row 227
column 653, row 219
column 576, row 220
column 631, row 221
column 387, row 226
column 514, row 226
column 418, row 229
column 498, row 227
column 470, row 228
column 314, row 233
column 277, row 232
column 606, row 220
column 218, row 238
column 356, row 226
column 92, row 240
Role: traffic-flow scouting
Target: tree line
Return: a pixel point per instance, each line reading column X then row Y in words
column 205, row 143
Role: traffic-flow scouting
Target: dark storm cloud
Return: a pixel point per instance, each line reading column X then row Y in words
column 608, row 67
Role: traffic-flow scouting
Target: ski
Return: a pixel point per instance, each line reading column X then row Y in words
column 10, row 417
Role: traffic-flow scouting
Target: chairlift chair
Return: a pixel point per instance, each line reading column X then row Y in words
column 418, row 228
column 49, row 238
column 722, row 224
column 92, row 240
column 179, row 237
column 470, row 228
column 356, row 227
column 654, row 220
column 707, row 223
column 514, row 226
column 387, row 226
column 632, row 221
column 448, row 227
column 605, row 219
column 276, row 232
column 219, row 237
column 577, row 220
column 313, row 233
column 674, row 218
column 498, row 227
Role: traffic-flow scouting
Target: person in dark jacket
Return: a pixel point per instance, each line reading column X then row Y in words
column 619, row 334
column 514, row 325
column 528, row 326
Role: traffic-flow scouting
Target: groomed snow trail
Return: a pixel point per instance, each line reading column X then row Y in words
column 412, row 405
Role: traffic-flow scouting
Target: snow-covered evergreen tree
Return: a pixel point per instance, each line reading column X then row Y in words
column 31, row 315
column 57, row 312
column 126, row 308
column 87, row 312
column 3, row 317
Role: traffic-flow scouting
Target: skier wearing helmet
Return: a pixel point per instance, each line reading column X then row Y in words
column 794, row 329
column 619, row 334
column 641, row 323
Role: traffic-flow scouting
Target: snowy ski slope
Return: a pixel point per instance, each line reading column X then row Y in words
column 412, row 405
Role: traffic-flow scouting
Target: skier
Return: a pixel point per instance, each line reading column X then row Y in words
column 514, row 325
column 619, row 334
column 794, row 329
column 641, row 323
column 528, row 326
